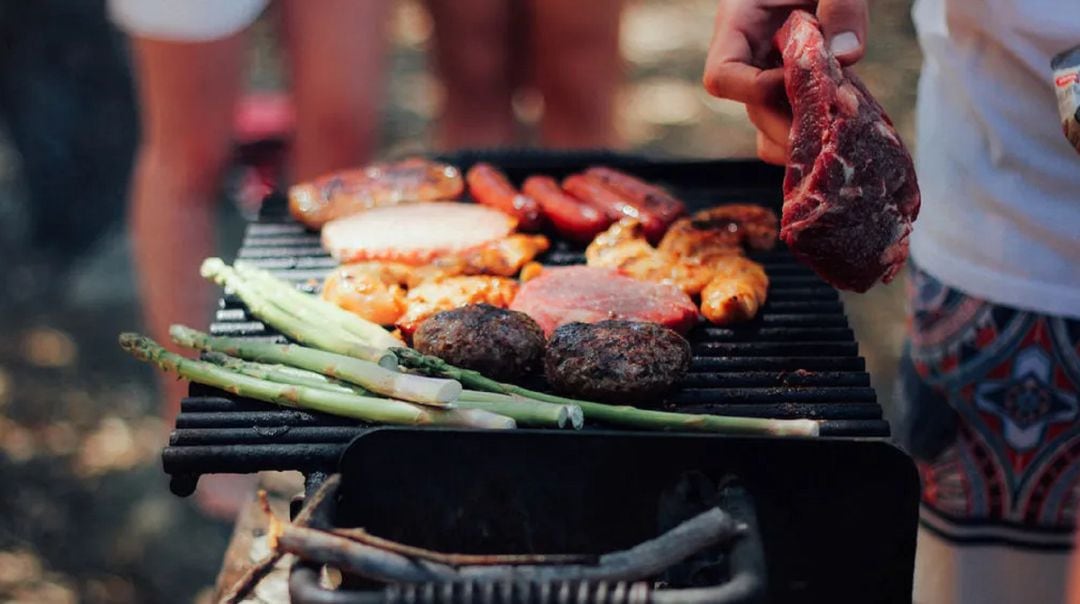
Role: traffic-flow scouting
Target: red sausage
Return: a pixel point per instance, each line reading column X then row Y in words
column 594, row 192
column 640, row 194
column 490, row 187
column 572, row 218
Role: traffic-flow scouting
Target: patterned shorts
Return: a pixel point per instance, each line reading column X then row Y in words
column 989, row 408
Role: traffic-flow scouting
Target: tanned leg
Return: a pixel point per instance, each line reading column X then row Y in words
column 472, row 40
column 187, row 93
column 336, row 52
column 577, row 69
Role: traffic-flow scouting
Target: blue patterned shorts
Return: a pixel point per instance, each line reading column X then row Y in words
column 989, row 408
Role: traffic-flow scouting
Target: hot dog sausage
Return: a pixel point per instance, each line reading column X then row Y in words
column 594, row 192
column 572, row 218
column 489, row 186
column 640, row 194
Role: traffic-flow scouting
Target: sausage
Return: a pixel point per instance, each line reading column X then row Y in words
column 594, row 192
column 640, row 194
column 489, row 186
column 572, row 218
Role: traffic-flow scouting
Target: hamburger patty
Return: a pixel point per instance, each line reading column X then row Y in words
column 623, row 362
column 501, row 344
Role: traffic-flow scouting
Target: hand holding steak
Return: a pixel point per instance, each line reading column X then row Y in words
column 850, row 193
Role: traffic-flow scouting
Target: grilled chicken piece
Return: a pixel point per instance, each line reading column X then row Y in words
column 503, row 257
column 323, row 199
column 732, row 287
column 374, row 290
column 736, row 291
column 721, row 231
column 624, row 248
column 441, row 294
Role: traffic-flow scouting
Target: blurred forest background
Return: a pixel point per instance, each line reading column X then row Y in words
column 85, row 512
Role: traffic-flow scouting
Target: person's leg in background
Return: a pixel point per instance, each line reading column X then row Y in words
column 187, row 93
column 577, row 69
column 472, row 38
column 336, row 53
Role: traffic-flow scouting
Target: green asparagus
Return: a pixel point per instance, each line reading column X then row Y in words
column 620, row 415
column 368, row 375
column 282, row 319
column 371, row 409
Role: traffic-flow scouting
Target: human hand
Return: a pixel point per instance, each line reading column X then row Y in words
column 740, row 66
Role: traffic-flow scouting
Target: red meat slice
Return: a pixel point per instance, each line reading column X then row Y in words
column 588, row 295
column 850, row 193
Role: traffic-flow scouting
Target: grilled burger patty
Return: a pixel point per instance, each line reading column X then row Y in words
column 615, row 361
column 499, row 343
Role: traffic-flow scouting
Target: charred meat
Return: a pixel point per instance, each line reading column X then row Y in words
column 620, row 362
column 499, row 343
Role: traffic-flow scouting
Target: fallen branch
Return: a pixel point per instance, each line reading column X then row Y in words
column 362, row 536
column 260, row 569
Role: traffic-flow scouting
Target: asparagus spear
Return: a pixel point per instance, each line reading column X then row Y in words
column 368, row 375
column 524, row 411
column 614, row 414
column 327, row 313
column 377, row 410
column 285, row 321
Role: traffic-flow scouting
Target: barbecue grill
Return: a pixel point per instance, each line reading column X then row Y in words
column 797, row 359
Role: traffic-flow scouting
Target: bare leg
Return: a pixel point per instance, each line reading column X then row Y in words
column 577, row 67
column 472, row 38
column 336, row 54
column 187, row 94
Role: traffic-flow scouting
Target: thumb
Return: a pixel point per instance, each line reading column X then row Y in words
column 844, row 23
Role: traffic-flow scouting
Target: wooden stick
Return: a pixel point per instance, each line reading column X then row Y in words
column 362, row 536
column 358, row 558
column 644, row 560
column 260, row 569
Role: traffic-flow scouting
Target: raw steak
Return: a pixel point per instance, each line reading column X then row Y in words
column 588, row 295
column 850, row 193
column 414, row 233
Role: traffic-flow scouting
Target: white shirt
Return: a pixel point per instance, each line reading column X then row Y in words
column 1000, row 217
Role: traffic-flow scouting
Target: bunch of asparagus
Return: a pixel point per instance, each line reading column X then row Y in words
column 354, row 368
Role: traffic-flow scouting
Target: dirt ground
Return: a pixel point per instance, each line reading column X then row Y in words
column 85, row 513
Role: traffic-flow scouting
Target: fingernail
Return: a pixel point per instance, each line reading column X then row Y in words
column 844, row 43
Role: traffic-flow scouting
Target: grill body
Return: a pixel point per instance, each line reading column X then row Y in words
column 797, row 359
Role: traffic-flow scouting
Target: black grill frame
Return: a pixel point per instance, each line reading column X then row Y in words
column 798, row 359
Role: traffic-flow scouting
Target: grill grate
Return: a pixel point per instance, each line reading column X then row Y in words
column 797, row 359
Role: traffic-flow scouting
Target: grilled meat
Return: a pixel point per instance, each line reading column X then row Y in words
column 502, row 257
column 414, row 233
column 587, row 294
column 721, row 231
column 441, row 294
column 501, row 344
column 620, row 362
column 343, row 193
column 736, row 291
column 490, row 187
column 640, row 194
column 623, row 247
column 732, row 287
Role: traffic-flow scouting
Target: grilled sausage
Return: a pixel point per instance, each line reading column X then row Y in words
column 594, row 192
column 615, row 361
column 640, row 194
column 339, row 194
column 489, row 186
column 501, row 344
column 572, row 218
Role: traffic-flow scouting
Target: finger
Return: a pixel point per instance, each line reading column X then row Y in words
column 844, row 23
column 772, row 123
column 730, row 71
column 769, row 151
